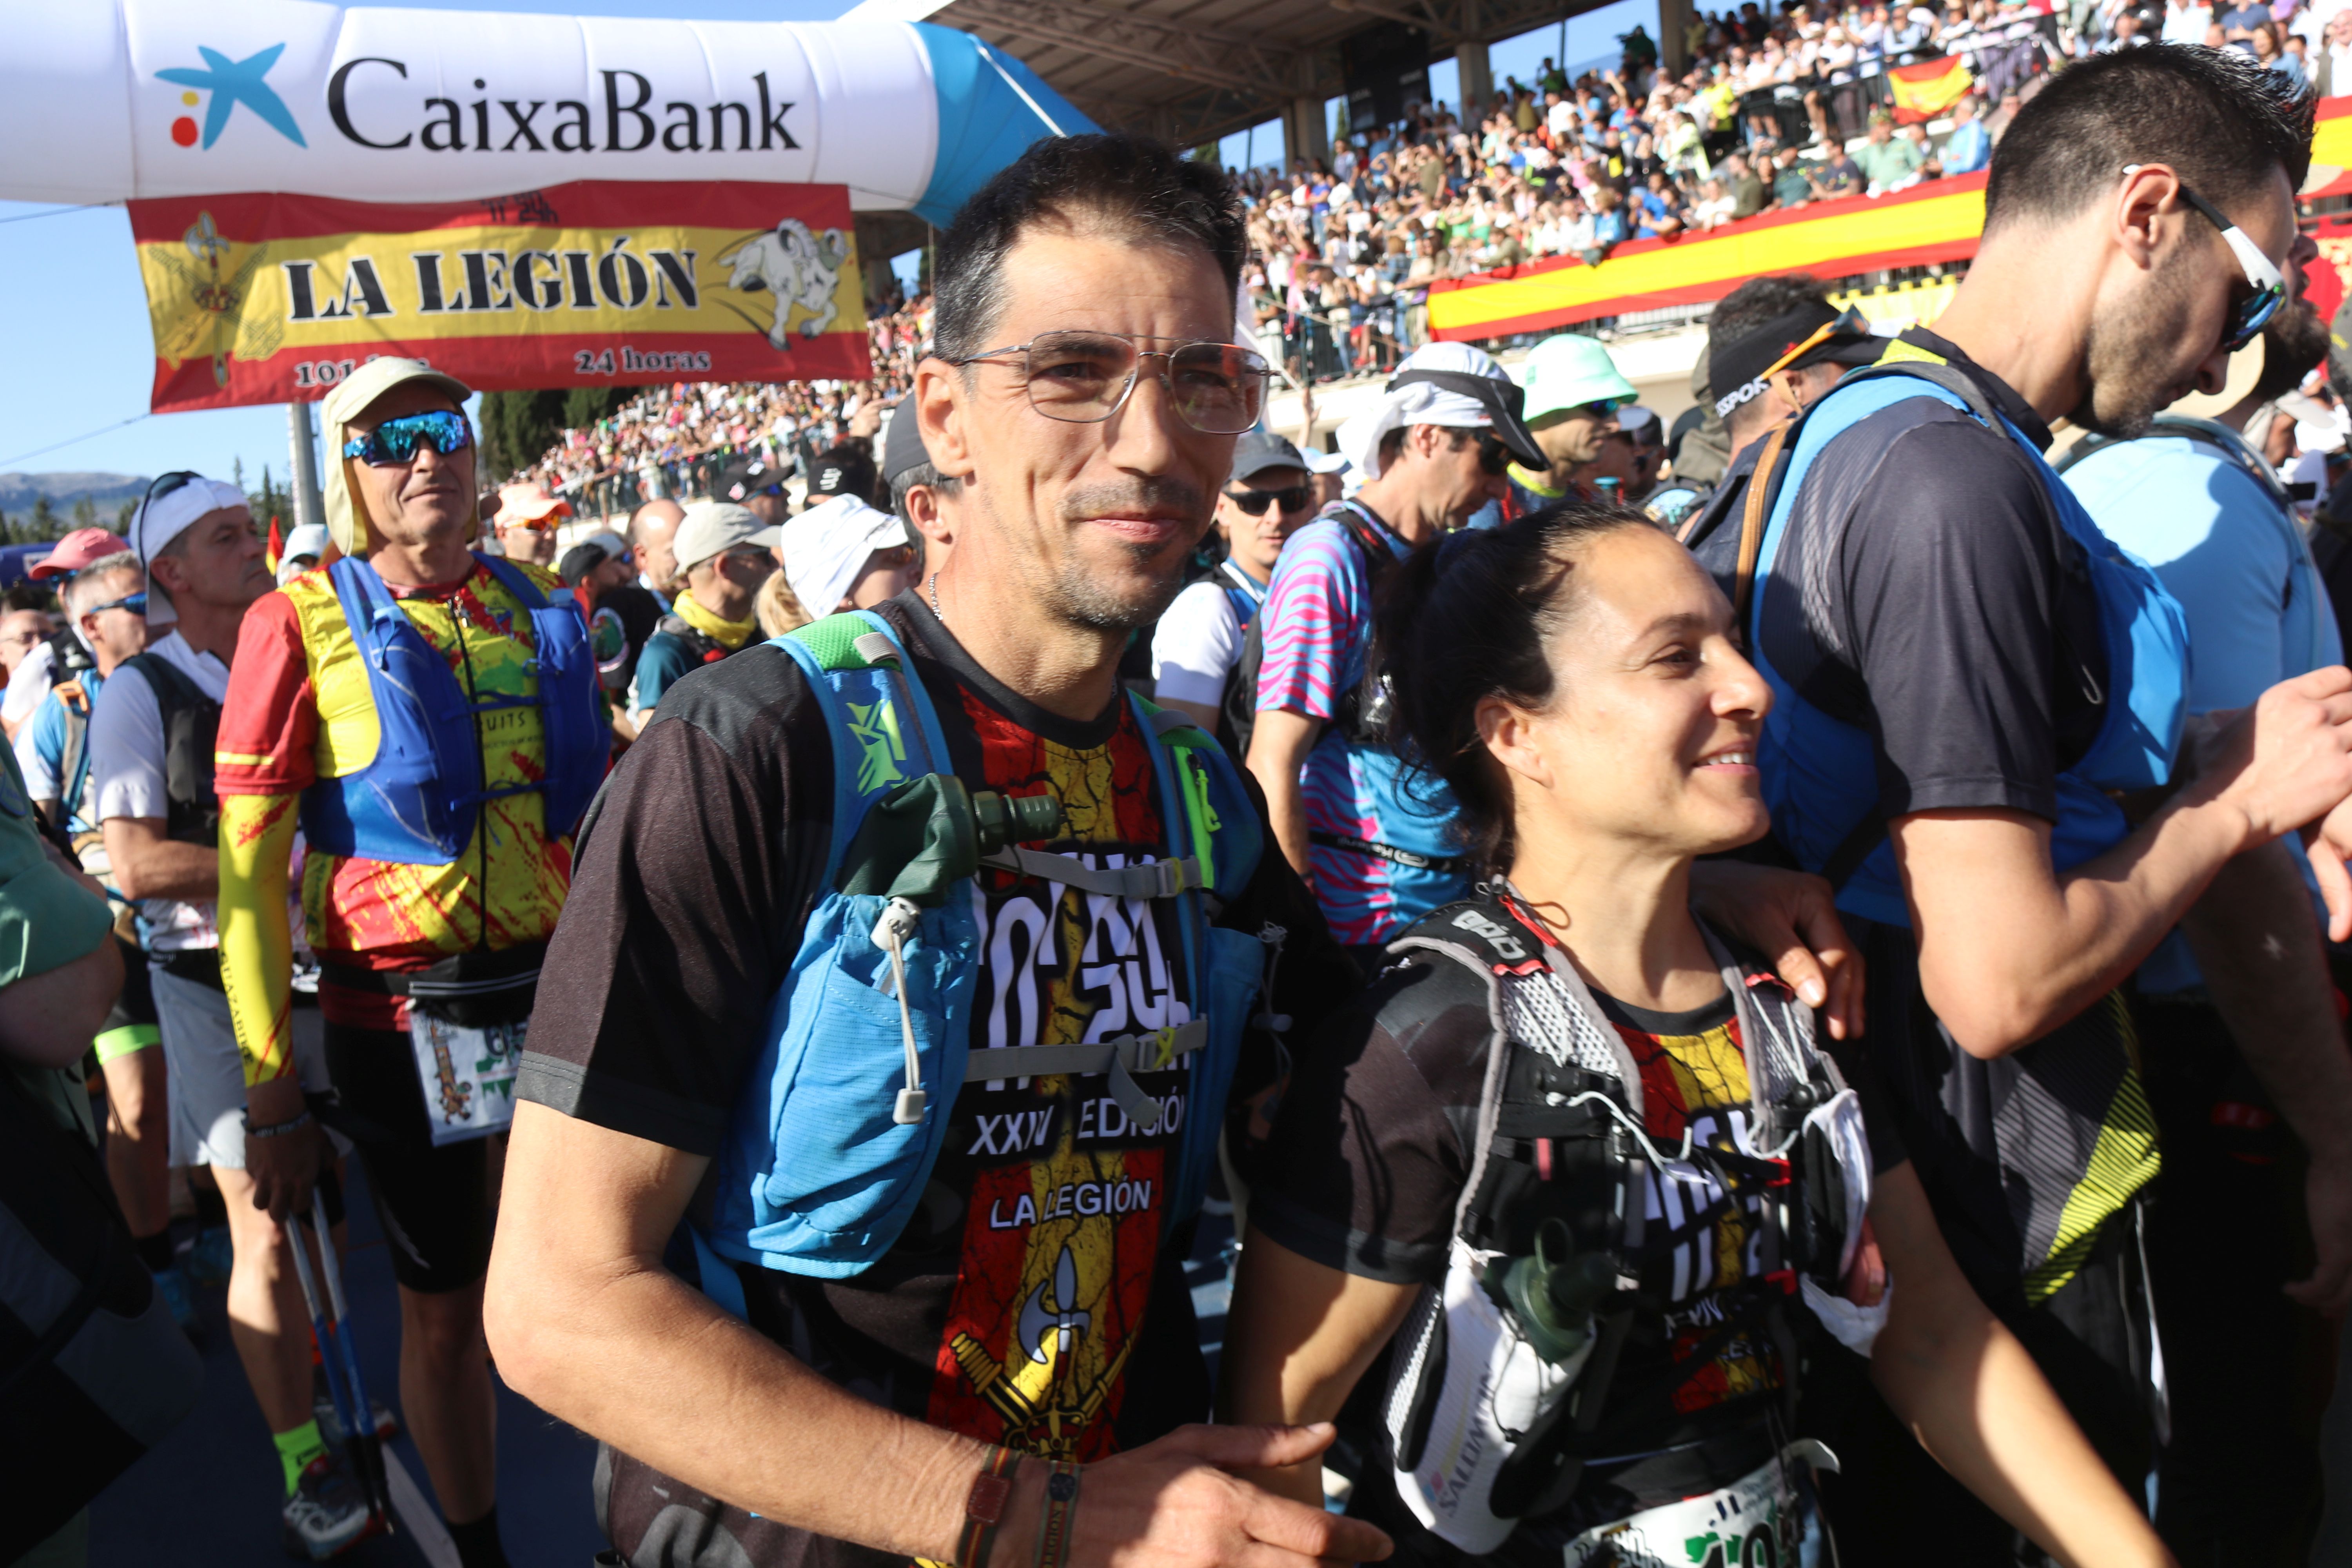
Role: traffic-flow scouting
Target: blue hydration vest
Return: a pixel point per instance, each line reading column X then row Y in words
column 816, row 1176
column 416, row 802
column 1821, row 777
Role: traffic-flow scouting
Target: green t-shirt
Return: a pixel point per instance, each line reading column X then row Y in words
column 1884, row 163
column 46, row 920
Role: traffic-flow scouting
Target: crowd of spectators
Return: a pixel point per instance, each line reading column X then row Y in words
column 1780, row 107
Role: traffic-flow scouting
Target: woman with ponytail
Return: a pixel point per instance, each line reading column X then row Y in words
column 1583, row 1161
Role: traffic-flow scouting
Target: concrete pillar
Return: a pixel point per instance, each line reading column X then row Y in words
column 1305, row 133
column 1674, row 22
column 1477, row 83
column 309, row 508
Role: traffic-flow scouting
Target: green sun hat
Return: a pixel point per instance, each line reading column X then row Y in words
column 1568, row 370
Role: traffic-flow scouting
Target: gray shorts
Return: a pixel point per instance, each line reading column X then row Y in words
column 207, row 1075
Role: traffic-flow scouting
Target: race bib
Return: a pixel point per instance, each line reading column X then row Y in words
column 468, row 1076
column 1756, row 1521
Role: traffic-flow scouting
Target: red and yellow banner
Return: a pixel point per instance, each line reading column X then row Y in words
column 273, row 299
column 1924, row 91
column 1935, row 221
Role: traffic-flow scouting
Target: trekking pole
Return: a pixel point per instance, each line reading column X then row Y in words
column 364, row 1412
column 325, row 1336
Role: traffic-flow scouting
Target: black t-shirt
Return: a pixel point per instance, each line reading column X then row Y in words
column 1374, row 1140
column 1921, row 592
column 1037, row 1298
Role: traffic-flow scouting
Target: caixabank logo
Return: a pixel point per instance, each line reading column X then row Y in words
column 230, row 83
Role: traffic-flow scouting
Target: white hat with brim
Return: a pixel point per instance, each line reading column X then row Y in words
column 825, row 549
column 352, row 397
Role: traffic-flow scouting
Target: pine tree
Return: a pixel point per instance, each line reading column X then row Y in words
column 44, row 523
column 85, row 513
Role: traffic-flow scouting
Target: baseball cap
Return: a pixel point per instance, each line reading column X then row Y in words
column 747, row 476
column 588, row 554
column 841, row 470
column 348, row 401
column 1814, row 333
column 1568, row 369
column 528, row 505
column 825, row 549
column 902, row 442
column 1451, row 384
column 713, row 527
column 1261, row 449
column 78, row 549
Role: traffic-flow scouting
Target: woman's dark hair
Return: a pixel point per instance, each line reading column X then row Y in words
column 1465, row 617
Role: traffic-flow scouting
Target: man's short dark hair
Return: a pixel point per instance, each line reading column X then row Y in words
column 2219, row 118
column 1762, row 300
column 1133, row 185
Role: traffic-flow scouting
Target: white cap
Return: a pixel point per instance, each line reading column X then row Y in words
column 825, row 549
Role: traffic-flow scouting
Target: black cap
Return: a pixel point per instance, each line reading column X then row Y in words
column 902, row 442
column 744, row 477
column 843, row 470
column 579, row 561
column 1735, row 370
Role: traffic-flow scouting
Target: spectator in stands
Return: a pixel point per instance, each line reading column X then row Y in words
column 1748, row 193
column 2331, row 73
column 1968, row 148
column 1888, row 163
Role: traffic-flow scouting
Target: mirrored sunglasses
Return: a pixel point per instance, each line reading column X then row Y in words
column 396, row 441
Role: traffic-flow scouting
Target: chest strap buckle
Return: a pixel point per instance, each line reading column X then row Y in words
column 1121, row 1058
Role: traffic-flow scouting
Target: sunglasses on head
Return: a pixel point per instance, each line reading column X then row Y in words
column 396, row 441
column 134, row 602
column 2250, row 315
column 1290, row 497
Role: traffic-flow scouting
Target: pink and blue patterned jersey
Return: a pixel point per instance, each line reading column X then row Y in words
column 1318, row 622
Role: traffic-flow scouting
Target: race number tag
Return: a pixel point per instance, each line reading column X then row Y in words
column 468, row 1076
column 1756, row 1521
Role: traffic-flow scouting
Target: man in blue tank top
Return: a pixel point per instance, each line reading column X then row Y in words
column 1965, row 672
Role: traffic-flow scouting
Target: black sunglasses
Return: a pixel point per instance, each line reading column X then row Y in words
column 1290, row 497
column 1493, row 458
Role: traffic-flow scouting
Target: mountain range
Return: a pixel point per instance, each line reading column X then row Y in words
column 17, row 492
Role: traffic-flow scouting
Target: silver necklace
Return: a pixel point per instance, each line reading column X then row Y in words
column 942, row 614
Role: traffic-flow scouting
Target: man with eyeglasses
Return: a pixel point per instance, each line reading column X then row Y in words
column 427, row 716
column 1198, row 643
column 151, row 746
column 1968, row 678
column 1434, row 449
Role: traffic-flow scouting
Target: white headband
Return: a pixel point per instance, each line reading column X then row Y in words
column 165, row 518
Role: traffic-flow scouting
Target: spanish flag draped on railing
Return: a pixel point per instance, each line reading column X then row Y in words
column 1935, row 221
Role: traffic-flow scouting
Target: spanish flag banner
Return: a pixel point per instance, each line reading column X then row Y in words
column 1925, row 90
column 275, row 298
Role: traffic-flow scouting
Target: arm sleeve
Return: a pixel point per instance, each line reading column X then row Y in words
column 1364, row 1168
column 1311, row 615
column 1195, row 647
column 1948, row 572
column 256, row 940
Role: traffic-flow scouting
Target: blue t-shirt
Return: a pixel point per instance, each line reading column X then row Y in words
column 1318, row 622
column 2224, row 546
column 1968, row 149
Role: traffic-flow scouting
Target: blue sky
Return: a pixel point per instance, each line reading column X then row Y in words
column 76, row 360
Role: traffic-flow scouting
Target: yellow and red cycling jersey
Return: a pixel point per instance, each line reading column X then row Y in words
column 299, row 709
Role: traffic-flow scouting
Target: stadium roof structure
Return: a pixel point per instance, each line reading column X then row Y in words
column 1191, row 71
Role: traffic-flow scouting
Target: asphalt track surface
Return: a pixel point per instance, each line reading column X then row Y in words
column 208, row 1496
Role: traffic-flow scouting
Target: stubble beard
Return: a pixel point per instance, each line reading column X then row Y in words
column 2125, row 362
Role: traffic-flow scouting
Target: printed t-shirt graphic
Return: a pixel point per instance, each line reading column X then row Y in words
column 1317, row 623
column 1061, row 1233
column 1695, row 1078
column 313, row 717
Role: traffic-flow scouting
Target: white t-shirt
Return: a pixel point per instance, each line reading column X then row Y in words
column 126, row 764
column 29, row 683
column 1199, row 642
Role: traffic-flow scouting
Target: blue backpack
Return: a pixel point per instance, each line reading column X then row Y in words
column 1820, row 772
column 817, row 1175
column 417, row 801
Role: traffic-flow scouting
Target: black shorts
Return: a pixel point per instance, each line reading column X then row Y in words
column 434, row 1203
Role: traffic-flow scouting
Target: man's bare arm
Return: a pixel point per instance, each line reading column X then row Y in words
column 2257, row 941
column 586, row 1324
column 147, row 865
column 1279, row 746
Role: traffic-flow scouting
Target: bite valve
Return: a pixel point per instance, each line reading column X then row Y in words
column 1003, row 820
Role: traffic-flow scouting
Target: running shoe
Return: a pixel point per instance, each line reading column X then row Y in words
column 211, row 1256
column 172, row 1284
column 326, row 1515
